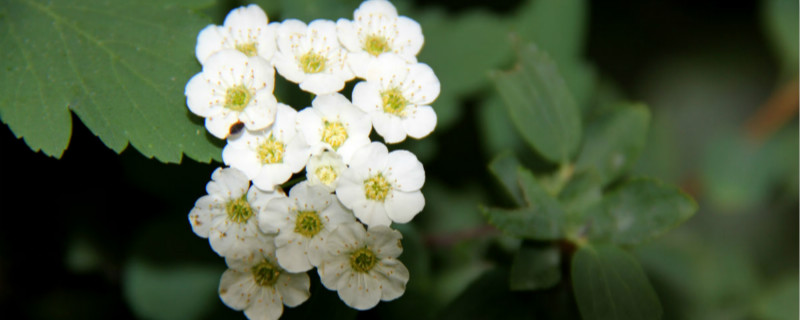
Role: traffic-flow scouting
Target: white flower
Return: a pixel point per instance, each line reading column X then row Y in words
column 375, row 30
column 233, row 88
column 362, row 265
column 311, row 56
column 245, row 29
column 302, row 221
column 382, row 187
column 227, row 215
column 333, row 123
column 269, row 157
column 325, row 169
column 397, row 96
column 257, row 285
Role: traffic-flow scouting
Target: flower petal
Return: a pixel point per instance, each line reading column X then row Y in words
column 236, row 289
column 294, row 287
column 405, row 170
column 401, row 206
column 420, row 122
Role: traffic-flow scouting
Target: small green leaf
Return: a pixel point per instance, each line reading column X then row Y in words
column 461, row 50
column 540, row 105
column 781, row 19
column 580, row 194
column 504, row 167
column 121, row 66
column 610, row 284
column 779, row 302
column 638, row 211
column 175, row 292
column 614, row 140
column 541, row 219
column 535, row 267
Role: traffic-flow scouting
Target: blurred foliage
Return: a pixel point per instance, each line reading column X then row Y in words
column 113, row 239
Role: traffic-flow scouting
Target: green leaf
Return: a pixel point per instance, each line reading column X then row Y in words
column 614, row 141
column 579, row 195
column 540, row 105
column 535, row 267
column 498, row 133
column 461, row 50
column 779, row 302
column 541, row 219
column 120, row 66
column 308, row 10
column 781, row 21
column 610, row 284
column 638, row 211
column 505, row 168
column 170, row 292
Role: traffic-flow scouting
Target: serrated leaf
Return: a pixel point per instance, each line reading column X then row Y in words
column 638, row 211
column 614, row 141
column 541, row 219
column 535, row 267
column 540, row 106
column 610, row 284
column 504, row 167
column 120, row 66
column 461, row 50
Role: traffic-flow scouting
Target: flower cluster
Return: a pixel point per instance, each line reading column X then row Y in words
column 338, row 218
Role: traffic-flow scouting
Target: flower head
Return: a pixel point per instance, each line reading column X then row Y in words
column 333, row 123
column 382, row 187
column 397, row 96
column 377, row 29
column 302, row 221
column 227, row 215
column 245, row 29
column 233, row 88
column 325, row 169
column 269, row 157
column 258, row 285
column 311, row 56
column 362, row 265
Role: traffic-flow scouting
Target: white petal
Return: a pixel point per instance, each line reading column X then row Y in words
column 401, row 206
column 334, row 271
column 310, row 124
column 347, row 34
column 385, row 241
column 322, row 83
column 389, row 127
column 275, row 215
column 272, row 175
column 236, row 288
column 228, row 183
column 260, row 113
column 367, row 97
column 246, row 17
column 359, row 62
column 294, row 288
column 350, row 192
column 427, row 86
column 288, row 67
column 409, row 35
column 209, row 41
column 387, row 69
column 200, row 215
column 406, row 172
column 220, row 125
column 420, row 122
column 350, row 146
column 375, row 7
column 241, row 158
column 394, row 278
column 371, row 213
column 261, row 74
column 266, row 304
column 362, row 292
column 199, row 96
column 291, row 252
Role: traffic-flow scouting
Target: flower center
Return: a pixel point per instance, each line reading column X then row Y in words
column 312, row 62
column 239, row 210
column 376, row 187
column 308, row 223
column 249, row 48
column 376, row 44
column 393, row 101
column 266, row 273
column 326, row 174
column 237, row 97
column 334, row 134
column 363, row 260
column 271, row 151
